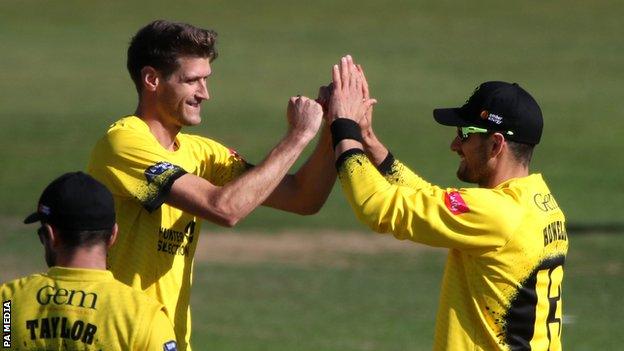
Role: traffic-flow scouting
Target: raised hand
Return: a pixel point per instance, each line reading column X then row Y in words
column 304, row 116
column 348, row 99
column 366, row 123
column 324, row 95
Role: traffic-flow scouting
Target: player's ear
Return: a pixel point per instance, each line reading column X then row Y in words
column 113, row 236
column 497, row 141
column 51, row 235
column 149, row 78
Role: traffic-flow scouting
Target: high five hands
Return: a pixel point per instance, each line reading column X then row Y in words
column 347, row 96
column 350, row 96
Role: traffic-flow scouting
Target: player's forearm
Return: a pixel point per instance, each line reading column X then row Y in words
column 318, row 175
column 241, row 196
column 306, row 191
column 380, row 205
column 373, row 147
column 383, row 207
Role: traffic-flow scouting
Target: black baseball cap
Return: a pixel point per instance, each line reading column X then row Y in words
column 498, row 106
column 75, row 201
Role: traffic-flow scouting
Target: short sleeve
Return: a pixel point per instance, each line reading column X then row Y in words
column 129, row 163
column 226, row 166
column 161, row 336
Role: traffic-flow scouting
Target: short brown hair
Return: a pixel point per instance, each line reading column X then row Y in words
column 160, row 44
column 522, row 152
column 73, row 239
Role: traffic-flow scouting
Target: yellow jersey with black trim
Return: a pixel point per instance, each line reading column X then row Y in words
column 503, row 276
column 83, row 309
column 156, row 244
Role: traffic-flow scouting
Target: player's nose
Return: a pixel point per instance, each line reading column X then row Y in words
column 455, row 144
column 202, row 92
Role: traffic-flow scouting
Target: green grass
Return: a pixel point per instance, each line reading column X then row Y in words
column 64, row 81
column 362, row 301
column 381, row 302
column 378, row 303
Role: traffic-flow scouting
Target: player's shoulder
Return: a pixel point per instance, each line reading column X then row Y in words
column 135, row 296
column 201, row 146
column 505, row 203
column 127, row 125
column 9, row 289
column 129, row 132
column 494, row 198
column 129, row 122
column 513, row 192
column 198, row 140
column 495, row 206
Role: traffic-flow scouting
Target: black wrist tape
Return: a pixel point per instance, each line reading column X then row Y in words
column 386, row 165
column 344, row 128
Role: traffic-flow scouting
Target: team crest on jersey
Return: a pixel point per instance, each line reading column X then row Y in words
column 170, row 346
column 235, row 154
column 455, row 203
column 157, row 169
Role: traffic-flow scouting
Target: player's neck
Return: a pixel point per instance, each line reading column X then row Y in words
column 165, row 133
column 503, row 174
column 87, row 257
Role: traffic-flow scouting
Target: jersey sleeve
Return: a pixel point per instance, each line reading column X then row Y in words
column 226, row 164
column 397, row 173
column 421, row 212
column 161, row 336
column 128, row 164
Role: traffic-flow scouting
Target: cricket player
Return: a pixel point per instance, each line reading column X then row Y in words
column 165, row 181
column 506, row 238
column 77, row 304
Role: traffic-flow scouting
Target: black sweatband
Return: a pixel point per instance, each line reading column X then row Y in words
column 344, row 128
column 386, row 165
column 345, row 155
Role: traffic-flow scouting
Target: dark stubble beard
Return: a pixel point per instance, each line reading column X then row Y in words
column 476, row 173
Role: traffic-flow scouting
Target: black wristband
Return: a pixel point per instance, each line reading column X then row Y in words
column 386, row 165
column 344, row 128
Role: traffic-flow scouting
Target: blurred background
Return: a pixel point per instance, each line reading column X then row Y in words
column 63, row 81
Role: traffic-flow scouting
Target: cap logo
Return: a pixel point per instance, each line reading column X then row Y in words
column 492, row 117
column 495, row 118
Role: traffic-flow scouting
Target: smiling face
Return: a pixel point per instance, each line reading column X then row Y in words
column 473, row 153
column 179, row 96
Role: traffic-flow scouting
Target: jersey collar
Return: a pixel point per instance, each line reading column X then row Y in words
column 79, row 274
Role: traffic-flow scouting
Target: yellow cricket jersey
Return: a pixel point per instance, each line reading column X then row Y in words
column 83, row 309
column 502, row 281
column 156, row 244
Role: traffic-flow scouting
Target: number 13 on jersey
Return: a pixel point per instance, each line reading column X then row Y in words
column 548, row 316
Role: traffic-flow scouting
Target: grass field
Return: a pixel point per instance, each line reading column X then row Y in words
column 351, row 291
column 64, row 80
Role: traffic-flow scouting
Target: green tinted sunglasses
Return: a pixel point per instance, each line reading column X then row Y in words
column 464, row 132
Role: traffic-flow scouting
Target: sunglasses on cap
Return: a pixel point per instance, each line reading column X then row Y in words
column 464, row 132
